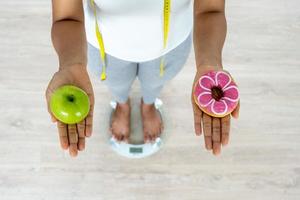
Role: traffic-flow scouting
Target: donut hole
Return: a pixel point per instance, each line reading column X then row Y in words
column 217, row 93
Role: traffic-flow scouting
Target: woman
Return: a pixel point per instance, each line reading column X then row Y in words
column 138, row 37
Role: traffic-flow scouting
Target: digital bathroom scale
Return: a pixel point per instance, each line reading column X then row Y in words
column 136, row 148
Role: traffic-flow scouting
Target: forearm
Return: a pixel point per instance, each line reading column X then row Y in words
column 209, row 36
column 69, row 41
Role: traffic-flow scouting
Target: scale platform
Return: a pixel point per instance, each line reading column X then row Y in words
column 136, row 148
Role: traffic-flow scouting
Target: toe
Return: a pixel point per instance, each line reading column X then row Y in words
column 149, row 137
column 113, row 133
column 126, row 137
column 119, row 136
column 116, row 135
column 155, row 135
column 122, row 137
column 146, row 137
column 161, row 128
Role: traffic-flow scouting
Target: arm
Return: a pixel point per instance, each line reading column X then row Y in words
column 69, row 41
column 209, row 33
column 209, row 37
column 68, row 33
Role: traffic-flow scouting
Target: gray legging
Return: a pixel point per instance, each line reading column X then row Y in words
column 121, row 73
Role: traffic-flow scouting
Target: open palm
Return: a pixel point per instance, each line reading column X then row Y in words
column 216, row 130
column 72, row 136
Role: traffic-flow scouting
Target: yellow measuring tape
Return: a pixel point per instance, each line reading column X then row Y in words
column 167, row 11
column 100, row 42
column 166, row 25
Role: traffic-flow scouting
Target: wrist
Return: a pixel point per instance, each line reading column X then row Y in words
column 207, row 67
column 72, row 66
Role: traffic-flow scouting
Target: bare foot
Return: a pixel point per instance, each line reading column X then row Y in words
column 152, row 123
column 120, row 125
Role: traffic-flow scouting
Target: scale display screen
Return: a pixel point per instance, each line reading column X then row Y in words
column 136, row 150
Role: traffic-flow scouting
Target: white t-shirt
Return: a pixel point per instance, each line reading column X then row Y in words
column 132, row 30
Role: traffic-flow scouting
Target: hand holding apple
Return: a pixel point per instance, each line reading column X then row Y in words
column 70, row 101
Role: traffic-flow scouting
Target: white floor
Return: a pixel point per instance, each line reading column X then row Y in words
column 262, row 161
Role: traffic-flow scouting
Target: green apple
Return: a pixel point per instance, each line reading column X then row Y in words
column 69, row 104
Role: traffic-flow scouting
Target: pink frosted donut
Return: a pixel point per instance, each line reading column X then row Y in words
column 216, row 93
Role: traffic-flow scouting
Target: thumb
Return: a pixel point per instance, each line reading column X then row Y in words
column 236, row 112
column 53, row 119
column 48, row 97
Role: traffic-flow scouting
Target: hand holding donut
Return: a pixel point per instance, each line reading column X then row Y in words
column 215, row 96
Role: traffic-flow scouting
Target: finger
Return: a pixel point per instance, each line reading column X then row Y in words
column 81, row 128
column 236, row 112
column 63, row 134
column 225, row 124
column 81, row 143
column 73, row 150
column 197, row 119
column 48, row 97
column 89, row 123
column 208, row 142
column 216, row 148
column 53, row 119
column 73, row 139
column 72, row 133
column 89, row 118
column 81, row 135
column 216, row 136
column 216, row 129
column 207, row 127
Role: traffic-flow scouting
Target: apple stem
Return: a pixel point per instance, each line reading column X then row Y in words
column 70, row 97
